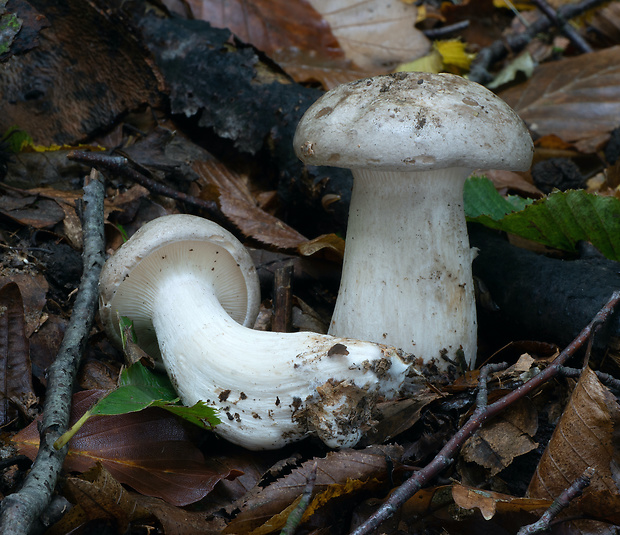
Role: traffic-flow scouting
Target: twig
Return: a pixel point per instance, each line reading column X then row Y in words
column 563, row 26
column 608, row 380
column 559, row 504
column 20, row 510
column 282, row 299
column 120, row 165
column 297, row 514
column 445, row 457
column 438, row 33
column 499, row 49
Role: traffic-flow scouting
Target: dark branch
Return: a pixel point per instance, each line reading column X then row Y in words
column 446, row 456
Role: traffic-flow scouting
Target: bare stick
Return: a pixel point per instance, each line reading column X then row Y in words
column 20, row 510
column 446, row 456
column 563, row 26
column 499, row 49
column 282, row 299
column 120, row 166
column 559, row 504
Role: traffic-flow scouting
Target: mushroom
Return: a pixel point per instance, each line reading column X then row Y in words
column 410, row 139
column 191, row 289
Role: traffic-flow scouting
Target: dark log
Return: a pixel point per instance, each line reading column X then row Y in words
column 543, row 298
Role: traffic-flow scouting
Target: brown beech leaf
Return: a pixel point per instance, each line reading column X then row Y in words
column 98, row 496
column 148, row 450
column 577, row 99
column 367, row 467
column 33, row 289
column 270, row 25
column 497, row 443
column 375, row 35
column 29, row 209
column 489, row 503
column 238, row 204
column 16, row 377
column 584, row 437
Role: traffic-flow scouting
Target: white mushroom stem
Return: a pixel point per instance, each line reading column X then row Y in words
column 271, row 388
column 407, row 247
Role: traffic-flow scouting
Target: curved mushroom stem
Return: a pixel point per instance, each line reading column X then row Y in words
column 272, row 388
column 424, row 258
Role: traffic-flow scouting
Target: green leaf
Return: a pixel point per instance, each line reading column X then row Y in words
column 138, row 389
column 559, row 220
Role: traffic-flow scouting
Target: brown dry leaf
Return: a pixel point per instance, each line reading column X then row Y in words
column 577, row 99
column 375, row 35
column 270, row 25
column 511, row 181
column 67, row 200
column 28, row 209
column 16, row 379
column 98, row 496
column 491, row 503
column 606, row 22
column 365, row 466
column 33, row 288
column 238, row 204
column 330, row 243
column 584, row 437
column 505, row 437
column 149, row 450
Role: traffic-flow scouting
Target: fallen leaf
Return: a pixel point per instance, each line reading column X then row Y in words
column 584, row 437
column 149, row 450
column 489, row 503
column 495, row 445
column 374, row 34
column 98, row 496
column 577, row 99
column 271, row 25
column 335, row 469
column 16, row 378
column 238, row 204
column 33, row 288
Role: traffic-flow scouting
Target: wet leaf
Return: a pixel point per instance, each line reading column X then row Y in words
column 16, row 379
column 505, row 437
column 584, row 437
column 98, row 496
column 577, row 99
column 148, row 450
column 239, row 205
column 489, row 503
column 335, row 469
column 559, row 220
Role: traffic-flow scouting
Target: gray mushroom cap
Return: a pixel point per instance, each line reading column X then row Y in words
column 413, row 121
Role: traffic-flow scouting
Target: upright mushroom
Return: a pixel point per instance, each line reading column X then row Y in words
column 187, row 284
column 411, row 140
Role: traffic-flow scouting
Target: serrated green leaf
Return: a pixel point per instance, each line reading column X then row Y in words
column 559, row 220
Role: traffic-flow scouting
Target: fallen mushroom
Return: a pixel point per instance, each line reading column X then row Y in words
column 411, row 140
column 186, row 283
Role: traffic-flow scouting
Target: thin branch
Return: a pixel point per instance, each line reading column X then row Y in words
column 499, row 49
column 563, row 26
column 446, row 456
column 559, row 504
column 20, row 510
column 119, row 165
column 442, row 31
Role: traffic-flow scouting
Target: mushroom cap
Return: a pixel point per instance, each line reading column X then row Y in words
column 413, row 121
column 171, row 244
